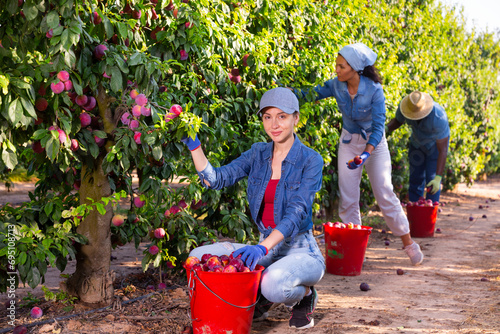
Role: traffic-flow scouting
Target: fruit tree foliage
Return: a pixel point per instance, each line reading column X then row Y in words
column 214, row 59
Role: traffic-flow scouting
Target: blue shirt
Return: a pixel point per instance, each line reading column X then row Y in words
column 426, row 131
column 301, row 178
column 365, row 114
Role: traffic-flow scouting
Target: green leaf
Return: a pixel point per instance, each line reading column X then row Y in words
column 13, row 109
column 9, row 158
column 122, row 64
column 42, row 265
column 22, row 258
column 30, row 11
column 157, row 153
column 94, row 150
column 122, row 30
column 134, row 59
column 65, row 41
column 24, row 269
column 61, row 263
column 4, row 83
column 71, row 252
column 126, row 141
column 52, row 147
column 116, row 79
column 21, row 84
column 28, row 106
column 100, row 134
column 35, row 278
column 157, row 260
column 145, row 263
column 39, row 134
column 75, row 28
column 108, row 27
column 125, row 163
column 12, row 6
column 53, row 19
column 139, row 74
column 110, row 157
column 26, row 240
column 100, row 208
column 48, row 208
column 77, row 87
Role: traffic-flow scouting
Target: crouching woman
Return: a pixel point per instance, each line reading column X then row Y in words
column 283, row 177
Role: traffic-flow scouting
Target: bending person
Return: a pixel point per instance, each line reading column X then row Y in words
column 430, row 137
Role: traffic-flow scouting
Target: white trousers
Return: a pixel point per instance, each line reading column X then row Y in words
column 378, row 167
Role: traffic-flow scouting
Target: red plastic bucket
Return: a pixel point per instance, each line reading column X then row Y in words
column 345, row 249
column 223, row 302
column 422, row 220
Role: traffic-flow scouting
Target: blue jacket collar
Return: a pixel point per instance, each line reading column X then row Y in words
column 292, row 155
column 361, row 87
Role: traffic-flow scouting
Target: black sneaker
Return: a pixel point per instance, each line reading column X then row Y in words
column 261, row 309
column 303, row 310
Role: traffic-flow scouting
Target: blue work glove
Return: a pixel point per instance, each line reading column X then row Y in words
column 191, row 144
column 358, row 160
column 251, row 255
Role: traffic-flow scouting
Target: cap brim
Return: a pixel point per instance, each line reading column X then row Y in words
column 284, row 109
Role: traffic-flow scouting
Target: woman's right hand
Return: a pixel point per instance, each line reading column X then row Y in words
column 358, row 160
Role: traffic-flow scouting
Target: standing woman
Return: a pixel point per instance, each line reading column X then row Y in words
column 283, row 177
column 360, row 97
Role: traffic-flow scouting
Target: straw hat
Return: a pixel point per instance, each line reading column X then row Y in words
column 417, row 105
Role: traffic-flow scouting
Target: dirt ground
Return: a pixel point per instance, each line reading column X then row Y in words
column 455, row 290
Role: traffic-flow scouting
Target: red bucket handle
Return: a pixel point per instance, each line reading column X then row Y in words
column 192, row 293
column 216, row 295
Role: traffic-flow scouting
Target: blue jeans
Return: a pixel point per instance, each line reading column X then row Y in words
column 423, row 164
column 291, row 266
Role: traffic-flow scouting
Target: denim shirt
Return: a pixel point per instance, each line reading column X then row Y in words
column 365, row 114
column 301, row 178
column 426, row 131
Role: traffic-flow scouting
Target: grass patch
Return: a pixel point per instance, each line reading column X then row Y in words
column 21, row 175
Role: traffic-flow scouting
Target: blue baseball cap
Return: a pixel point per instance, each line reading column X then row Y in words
column 358, row 55
column 281, row 98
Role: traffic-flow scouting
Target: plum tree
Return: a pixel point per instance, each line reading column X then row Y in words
column 65, row 47
column 201, row 66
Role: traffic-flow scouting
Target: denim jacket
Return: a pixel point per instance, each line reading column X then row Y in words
column 365, row 114
column 426, row 131
column 301, row 178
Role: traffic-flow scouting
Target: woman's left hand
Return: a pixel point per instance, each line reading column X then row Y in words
column 191, row 143
column 251, row 255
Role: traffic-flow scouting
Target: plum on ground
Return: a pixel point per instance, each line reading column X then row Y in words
column 36, row 312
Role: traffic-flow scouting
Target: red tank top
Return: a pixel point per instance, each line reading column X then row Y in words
column 268, row 205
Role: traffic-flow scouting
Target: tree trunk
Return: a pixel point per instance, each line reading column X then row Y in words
column 92, row 281
column 332, row 211
column 140, row 176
